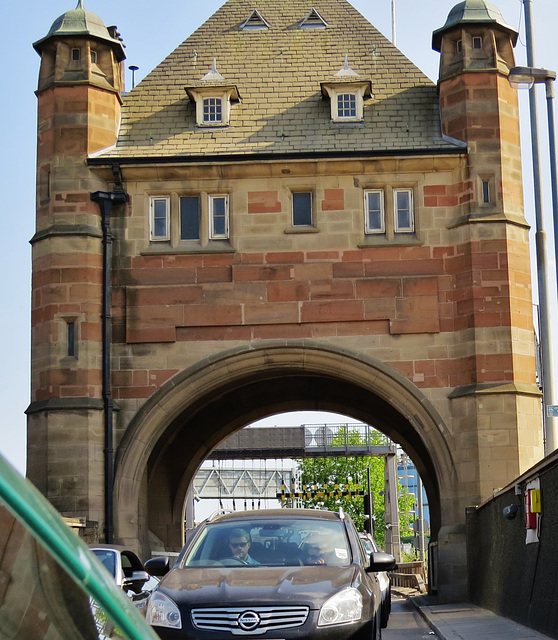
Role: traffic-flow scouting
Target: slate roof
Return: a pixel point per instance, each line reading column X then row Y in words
column 278, row 72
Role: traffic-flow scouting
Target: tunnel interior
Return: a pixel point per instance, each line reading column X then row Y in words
column 211, row 418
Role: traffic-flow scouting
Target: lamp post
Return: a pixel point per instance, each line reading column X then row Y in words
column 527, row 77
column 133, row 68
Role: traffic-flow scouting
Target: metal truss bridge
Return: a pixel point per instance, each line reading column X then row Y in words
column 217, row 479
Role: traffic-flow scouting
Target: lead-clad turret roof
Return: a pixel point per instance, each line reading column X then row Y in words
column 473, row 12
column 278, row 65
column 80, row 22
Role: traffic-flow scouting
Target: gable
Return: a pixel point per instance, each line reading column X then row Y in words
column 278, row 71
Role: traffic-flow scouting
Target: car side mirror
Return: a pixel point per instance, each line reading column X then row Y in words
column 380, row 561
column 157, row 567
column 136, row 581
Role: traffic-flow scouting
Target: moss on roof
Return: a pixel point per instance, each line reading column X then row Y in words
column 278, row 72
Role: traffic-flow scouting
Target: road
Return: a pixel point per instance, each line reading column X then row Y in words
column 405, row 622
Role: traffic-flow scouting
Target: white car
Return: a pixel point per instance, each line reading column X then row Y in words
column 370, row 546
column 128, row 572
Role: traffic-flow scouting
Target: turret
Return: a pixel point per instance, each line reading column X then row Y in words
column 79, row 102
column 478, row 106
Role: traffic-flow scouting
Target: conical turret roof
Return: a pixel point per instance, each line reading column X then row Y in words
column 80, row 22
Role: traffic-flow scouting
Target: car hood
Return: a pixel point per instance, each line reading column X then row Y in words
column 240, row 586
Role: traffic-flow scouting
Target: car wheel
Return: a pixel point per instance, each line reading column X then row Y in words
column 384, row 615
column 385, row 609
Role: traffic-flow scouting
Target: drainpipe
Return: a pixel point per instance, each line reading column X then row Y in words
column 105, row 200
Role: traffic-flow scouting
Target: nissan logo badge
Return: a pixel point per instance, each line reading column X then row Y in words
column 248, row 620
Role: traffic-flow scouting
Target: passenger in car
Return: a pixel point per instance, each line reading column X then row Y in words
column 239, row 544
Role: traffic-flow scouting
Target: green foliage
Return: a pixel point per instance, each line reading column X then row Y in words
column 406, row 515
column 332, row 475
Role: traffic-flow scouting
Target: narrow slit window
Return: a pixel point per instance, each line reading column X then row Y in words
column 70, row 338
column 190, row 218
column 94, row 57
column 459, row 46
column 302, row 209
column 76, row 54
column 486, row 191
column 477, row 42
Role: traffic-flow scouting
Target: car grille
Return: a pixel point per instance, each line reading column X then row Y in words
column 243, row 621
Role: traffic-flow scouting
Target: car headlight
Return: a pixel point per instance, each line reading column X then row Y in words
column 163, row 612
column 343, row 607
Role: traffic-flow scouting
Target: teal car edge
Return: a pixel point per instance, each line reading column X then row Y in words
column 43, row 522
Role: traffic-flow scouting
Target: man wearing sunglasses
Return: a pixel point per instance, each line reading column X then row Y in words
column 313, row 554
column 239, row 544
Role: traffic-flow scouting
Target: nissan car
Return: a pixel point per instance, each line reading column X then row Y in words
column 270, row 574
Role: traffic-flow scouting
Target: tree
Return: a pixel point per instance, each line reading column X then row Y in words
column 347, row 474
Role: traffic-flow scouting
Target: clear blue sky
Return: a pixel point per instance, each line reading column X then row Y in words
column 150, row 32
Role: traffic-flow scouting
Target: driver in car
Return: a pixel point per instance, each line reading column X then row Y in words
column 313, row 554
column 239, row 544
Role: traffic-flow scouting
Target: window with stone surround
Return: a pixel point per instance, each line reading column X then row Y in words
column 71, row 350
column 159, row 214
column 302, row 209
column 389, row 215
column 403, row 211
column 374, row 214
column 190, row 218
column 218, row 217
column 191, row 222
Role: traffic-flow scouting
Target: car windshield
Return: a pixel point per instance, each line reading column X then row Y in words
column 270, row 542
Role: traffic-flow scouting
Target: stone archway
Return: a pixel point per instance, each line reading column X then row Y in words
column 177, row 428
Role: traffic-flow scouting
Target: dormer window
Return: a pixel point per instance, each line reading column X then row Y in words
column 346, row 91
column 256, row 22
column 313, row 21
column 213, row 98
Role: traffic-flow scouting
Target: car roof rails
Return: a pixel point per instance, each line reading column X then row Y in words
column 217, row 513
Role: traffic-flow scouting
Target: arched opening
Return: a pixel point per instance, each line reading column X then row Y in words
column 177, row 428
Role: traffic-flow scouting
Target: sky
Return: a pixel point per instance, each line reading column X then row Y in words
column 151, row 31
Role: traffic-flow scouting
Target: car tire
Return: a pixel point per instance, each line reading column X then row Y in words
column 385, row 609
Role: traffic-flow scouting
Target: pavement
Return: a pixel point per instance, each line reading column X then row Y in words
column 465, row 621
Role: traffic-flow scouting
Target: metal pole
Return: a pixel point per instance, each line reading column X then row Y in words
column 393, row 27
column 393, row 538
column 553, row 173
column 420, row 531
column 540, row 243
